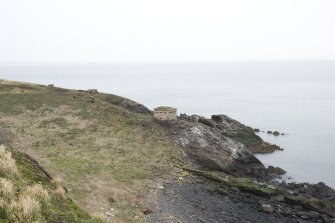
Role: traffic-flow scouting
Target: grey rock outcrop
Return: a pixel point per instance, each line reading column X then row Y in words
column 319, row 190
column 236, row 131
column 207, row 148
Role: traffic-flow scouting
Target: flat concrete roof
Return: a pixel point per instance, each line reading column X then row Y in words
column 165, row 108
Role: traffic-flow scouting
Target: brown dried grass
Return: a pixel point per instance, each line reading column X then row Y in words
column 8, row 166
column 18, row 203
column 24, row 209
column 60, row 192
column 6, row 188
column 56, row 182
column 38, row 192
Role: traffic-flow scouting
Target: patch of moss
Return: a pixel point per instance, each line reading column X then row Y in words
column 250, row 185
column 245, row 184
column 245, row 136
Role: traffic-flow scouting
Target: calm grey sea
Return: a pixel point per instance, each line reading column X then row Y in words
column 297, row 98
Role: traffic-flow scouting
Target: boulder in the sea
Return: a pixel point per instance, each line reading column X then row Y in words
column 277, row 171
column 257, row 130
column 276, row 133
column 269, row 132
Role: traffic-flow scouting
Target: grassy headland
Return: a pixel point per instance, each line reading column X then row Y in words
column 104, row 147
column 112, row 156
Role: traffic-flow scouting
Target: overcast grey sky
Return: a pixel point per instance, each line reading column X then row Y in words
column 166, row 31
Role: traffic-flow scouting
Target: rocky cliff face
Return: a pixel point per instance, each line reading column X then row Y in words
column 236, row 131
column 205, row 145
column 208, row 148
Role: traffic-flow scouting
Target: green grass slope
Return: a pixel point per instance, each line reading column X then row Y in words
column 107, row 149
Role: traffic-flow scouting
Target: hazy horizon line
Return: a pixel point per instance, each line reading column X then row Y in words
column 160, row 63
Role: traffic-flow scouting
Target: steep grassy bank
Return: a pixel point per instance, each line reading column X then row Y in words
column 107, row 149
column 27, row 194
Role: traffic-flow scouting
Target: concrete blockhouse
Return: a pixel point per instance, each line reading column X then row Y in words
column 165, row 113
column 92, row 91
